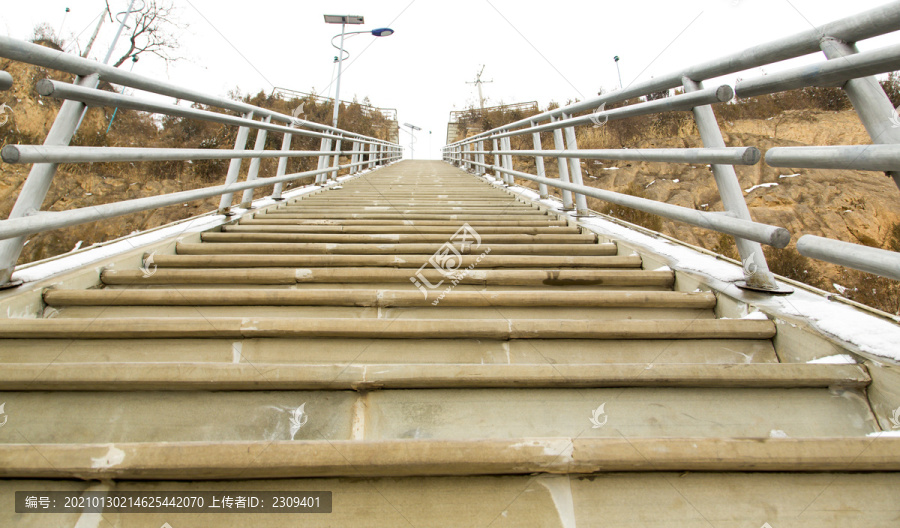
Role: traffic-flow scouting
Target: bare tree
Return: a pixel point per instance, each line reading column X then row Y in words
column 153, row 30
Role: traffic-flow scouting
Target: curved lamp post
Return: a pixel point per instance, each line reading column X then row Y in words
column 412, row 142
column 343, row 20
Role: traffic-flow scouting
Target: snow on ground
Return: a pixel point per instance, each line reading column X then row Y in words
column 866, row 332
column 838, row 359
column 789, row 175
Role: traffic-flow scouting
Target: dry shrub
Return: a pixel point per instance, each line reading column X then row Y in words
column 790, row 263
column 650, row 221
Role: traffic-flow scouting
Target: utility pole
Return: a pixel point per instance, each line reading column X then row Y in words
column 478, row 82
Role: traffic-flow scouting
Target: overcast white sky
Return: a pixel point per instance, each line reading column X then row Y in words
column 560, row 51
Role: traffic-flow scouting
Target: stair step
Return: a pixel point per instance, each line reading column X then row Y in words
column 258, row 226
column 557, row 278
column 207, row 248
column 109, row 376
column 383, row 298
column 396, row 458
column 391, row 261
column 404, row 222
column 159, row 327
column 331, row 350
column 384, row 238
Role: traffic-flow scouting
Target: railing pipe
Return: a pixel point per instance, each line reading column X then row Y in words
column 826, row 73
column 93, row 97
column 847, row 157
column 727, row 155
column 22, row 154
column 872, row 260
column 874, row 22
column 6, row 81
column 771, row 235
column 22, row 51
column 45, row 221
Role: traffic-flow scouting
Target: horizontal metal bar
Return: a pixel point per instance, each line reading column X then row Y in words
column 683, row 102
column 765, row 234
column 42, row 154
column 825, row 73
column 872, row 260
column 21, row 51
column 46, row 221
column 93, row 97
column 720, row 156
column 848, row 157
column 868, row 24
column 6, row 81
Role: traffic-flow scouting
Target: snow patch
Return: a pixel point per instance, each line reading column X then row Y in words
column 113, row 457
column 788, row 175
column 837, row 359
column 880, row 434
column 760, row 186
column 777, row 433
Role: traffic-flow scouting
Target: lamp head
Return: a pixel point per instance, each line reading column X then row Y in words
column 383, row 32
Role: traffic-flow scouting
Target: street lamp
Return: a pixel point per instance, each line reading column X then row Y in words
column 616, row 58
column 412, row 142
column 343, row 20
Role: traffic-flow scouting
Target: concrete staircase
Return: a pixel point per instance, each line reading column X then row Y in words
column 546, row 379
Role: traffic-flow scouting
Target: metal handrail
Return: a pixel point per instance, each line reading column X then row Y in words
column 845, row 67
column 26, row 218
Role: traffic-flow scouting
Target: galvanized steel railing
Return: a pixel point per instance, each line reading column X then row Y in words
column 845, row 66
column 26, row 217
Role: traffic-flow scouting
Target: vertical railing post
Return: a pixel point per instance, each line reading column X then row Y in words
column 869, row 100
column 479, row 169
column 372, row 156
column 756, row 271
column 234, row 167
column 253, row 171
column 497, row 174
column 355, row 158
column 539, row 163
column 35, row 188
column 581, row 208
column 559, row 144
column 507, row 161
column 337, row 159
column 282, row 167
column 324, row 158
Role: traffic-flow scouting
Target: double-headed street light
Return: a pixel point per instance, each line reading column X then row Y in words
column 343, row 20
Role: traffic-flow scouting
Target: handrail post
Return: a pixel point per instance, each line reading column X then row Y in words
column 355, row 158
column 324, row 158
column 479, row 169
column 756, row 270
column 282, row 167
column 872, row 105
column 497, row 173
column 234, row 167
column 253, row 171
column 507, row 161
column 559, row 144
column 35, row 188
column 337, row 159
column 581, row 208
column 372, row 148
column 539, row 164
